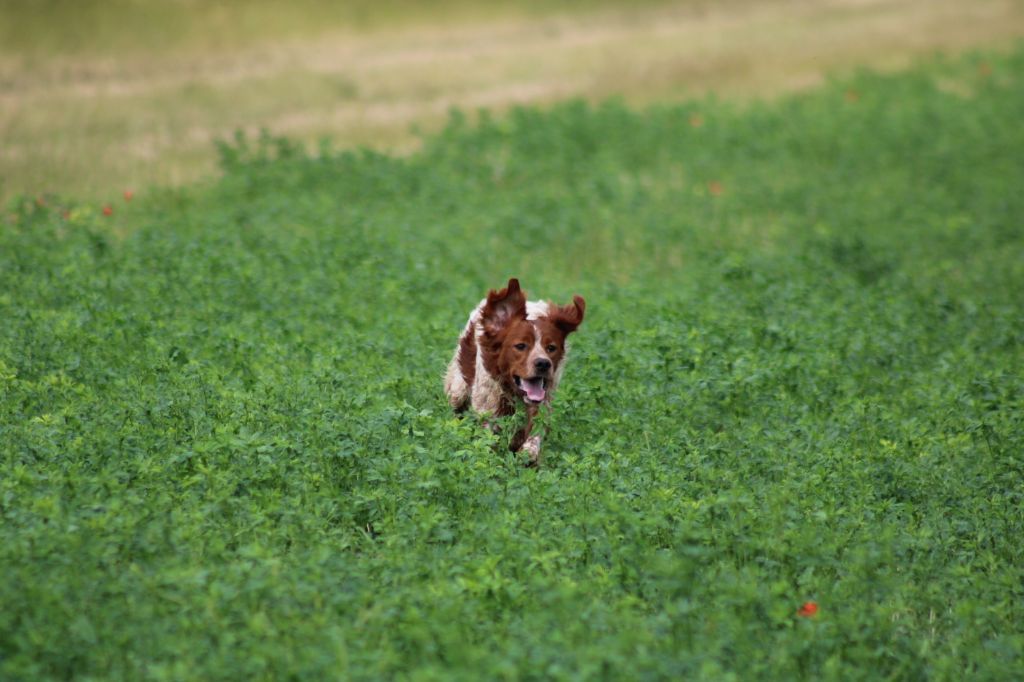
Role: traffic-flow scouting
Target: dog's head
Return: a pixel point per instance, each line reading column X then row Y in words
column 525, row 355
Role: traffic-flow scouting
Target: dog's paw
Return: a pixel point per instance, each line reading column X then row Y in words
column 532, row 448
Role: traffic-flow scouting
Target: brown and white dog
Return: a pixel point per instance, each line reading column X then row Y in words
column 511, row 353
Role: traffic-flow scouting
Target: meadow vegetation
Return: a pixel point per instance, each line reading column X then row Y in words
column 225, row 452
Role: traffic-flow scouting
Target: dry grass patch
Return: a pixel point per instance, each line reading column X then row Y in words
column 95, row 118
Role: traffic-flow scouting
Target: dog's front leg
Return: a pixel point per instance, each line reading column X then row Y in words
column 525, row 442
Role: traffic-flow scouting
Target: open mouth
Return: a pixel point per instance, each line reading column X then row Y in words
column 534, row 389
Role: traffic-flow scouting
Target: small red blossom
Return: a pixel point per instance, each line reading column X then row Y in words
column 128, row 194
column 696, row 120
column 808, row 610
column 108, row 210
column 65, row 214
column 851, row 96
column 715, row 188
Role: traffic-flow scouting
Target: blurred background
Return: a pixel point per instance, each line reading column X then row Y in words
column 101, row 96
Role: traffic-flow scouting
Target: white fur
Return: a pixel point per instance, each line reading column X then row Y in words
column 454, row 383
column 532, row 448
column 536, row 309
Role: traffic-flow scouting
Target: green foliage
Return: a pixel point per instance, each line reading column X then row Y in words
column 225, row 454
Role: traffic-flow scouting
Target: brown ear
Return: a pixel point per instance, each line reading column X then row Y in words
column 503, row 306
column 568, row 317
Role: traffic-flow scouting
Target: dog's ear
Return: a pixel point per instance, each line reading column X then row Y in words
column 568, row 317
column 503, row 306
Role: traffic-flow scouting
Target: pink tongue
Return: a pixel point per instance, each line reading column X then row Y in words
column 534, row 389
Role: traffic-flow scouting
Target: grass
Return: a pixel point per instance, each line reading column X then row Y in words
column 100, row 96
column 127, row 27
column 225, row 454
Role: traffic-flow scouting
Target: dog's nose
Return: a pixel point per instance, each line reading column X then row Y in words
column 542, row 364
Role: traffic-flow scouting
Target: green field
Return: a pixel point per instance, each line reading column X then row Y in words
column 225, row 452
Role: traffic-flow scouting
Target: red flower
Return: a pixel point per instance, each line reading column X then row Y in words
column 108, row 210
column 696, row 120
column 715, row 188
column 808, row 609
column 128, row 194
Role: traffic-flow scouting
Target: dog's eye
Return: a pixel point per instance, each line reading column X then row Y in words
column 520, row 346
column 552, row 348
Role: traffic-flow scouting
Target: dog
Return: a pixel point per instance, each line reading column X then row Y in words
column 512, row 353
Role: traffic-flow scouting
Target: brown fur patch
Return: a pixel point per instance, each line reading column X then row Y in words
column 504, row 310
column 467, row 356
column 505, row 407
column 511, row 361
column 568, row 317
